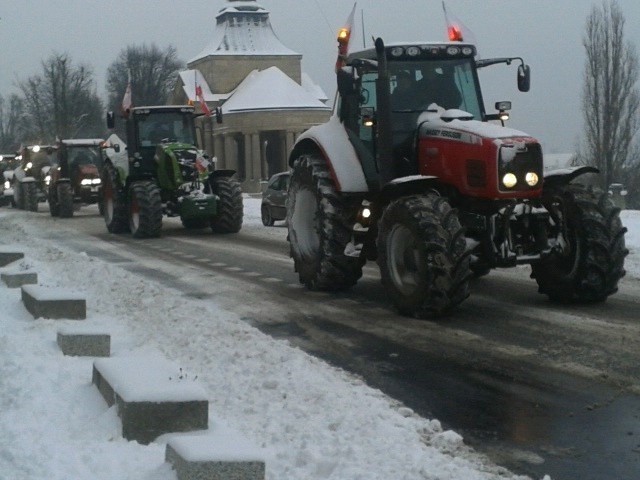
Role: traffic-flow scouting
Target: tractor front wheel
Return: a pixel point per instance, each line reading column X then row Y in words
column 65, row 200
column 52, row 199
column 422, row 256
column 230, row 208
column 30, row 191
column 145, row 209
column 114, row 202
column 587, row 258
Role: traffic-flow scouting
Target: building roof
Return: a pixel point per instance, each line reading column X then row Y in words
column 243, row 27
column 271, row 89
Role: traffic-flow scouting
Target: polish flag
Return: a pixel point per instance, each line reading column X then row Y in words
column 127, row 102
column 203, row 104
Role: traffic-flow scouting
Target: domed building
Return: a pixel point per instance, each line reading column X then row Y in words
column 265, row 99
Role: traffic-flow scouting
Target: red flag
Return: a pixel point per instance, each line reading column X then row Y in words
column 127, row 103
column 203, row 104
column 344, row 36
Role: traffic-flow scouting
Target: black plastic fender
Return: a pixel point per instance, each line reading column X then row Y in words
column 563, row 176
column 221, row 173
column 410, row 185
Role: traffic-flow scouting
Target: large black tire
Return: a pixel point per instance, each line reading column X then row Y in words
column 230, row 208
column 422, row 256
column 319, row 221
column 589, row 258
column 52, row 199
column 18, row 195
column 30, row 194
column 267, row 219
column 145, row 209
column 65, row 199
column 114, row 200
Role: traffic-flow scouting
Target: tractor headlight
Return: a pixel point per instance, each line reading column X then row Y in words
column 36, row 148
column 96, row 181
column 85, row 181
column 7, row 185
column 532, row 179
column 509, row 180
column 47, row 179
column 28, row 166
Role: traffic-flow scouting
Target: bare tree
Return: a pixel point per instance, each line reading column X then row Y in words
column 61, row 102
column 610, row 98
column 153, row 75
column 10, row 123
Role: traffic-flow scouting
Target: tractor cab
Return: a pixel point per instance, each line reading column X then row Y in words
column 439, row 78
column 149, row 127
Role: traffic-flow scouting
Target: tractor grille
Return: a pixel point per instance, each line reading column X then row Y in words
column 520, row 160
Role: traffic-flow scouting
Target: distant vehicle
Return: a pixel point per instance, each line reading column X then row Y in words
column 7, row 163
column 274, row 199
column 31, row 177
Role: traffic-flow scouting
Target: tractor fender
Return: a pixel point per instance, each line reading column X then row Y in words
column 27, row 180
column 331, row 140
column 409, row 185
column 563, row 176
column 222, row 173
column 121, row 172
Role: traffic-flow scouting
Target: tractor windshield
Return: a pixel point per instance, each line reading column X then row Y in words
column 165, row 127
column 84, row 155
column 415, row 85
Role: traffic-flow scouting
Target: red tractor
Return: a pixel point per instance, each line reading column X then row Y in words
column 412, row 171
column 75, row 178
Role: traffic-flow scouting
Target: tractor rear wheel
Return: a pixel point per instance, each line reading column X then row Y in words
column 422, row 256
column 588, row 258
column 65, row 199
column 114, row 202
column 319, row 223
column 230, row 208
column 145, row 209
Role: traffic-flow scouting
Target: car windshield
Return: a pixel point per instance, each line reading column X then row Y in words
column 161, row 127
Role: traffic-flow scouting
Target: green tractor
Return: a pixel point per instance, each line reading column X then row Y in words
column 160, row 171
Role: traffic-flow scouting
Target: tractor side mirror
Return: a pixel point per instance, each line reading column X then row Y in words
column 111, row 120
column 218, row 114
column 524, row 78
column 346, row 82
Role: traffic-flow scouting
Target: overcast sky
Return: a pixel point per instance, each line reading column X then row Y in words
column 548, row 34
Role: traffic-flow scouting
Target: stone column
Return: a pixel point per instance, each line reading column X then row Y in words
column 218, row 151
column 264, row 166
column 230, row 153
column 248, row 157
column 256, row 159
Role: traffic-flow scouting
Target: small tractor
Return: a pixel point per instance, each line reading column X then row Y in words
column 30, row 178
column 437, row 190
column 8, row 162
column 161, row 171
column 75, row 177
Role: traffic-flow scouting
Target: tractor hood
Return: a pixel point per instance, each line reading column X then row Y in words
column 460, row 125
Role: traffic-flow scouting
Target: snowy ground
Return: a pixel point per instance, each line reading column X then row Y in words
column 314, row 421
